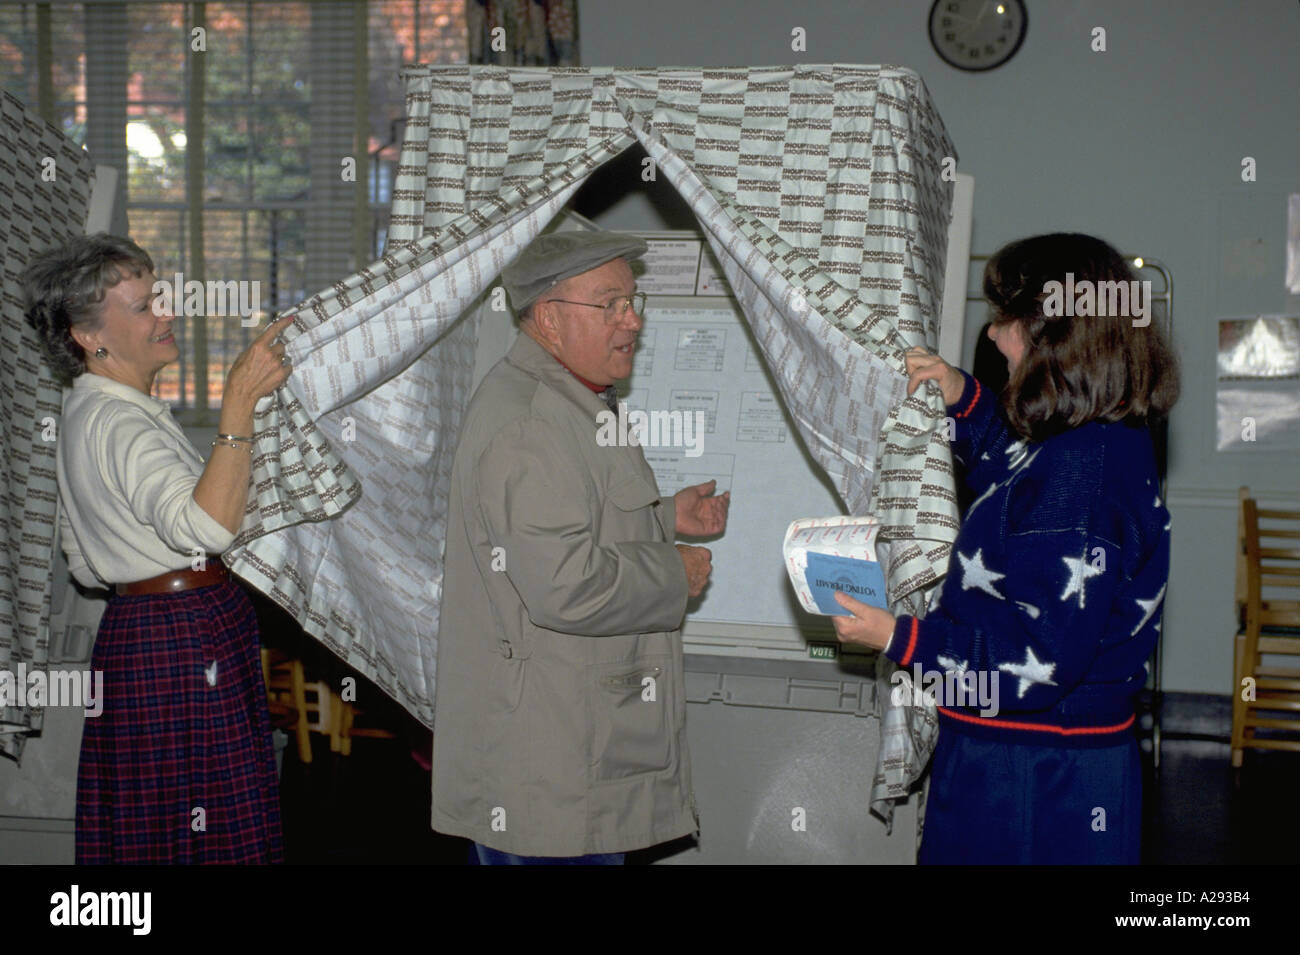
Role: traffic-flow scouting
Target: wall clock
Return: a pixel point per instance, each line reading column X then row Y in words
column 977, row 35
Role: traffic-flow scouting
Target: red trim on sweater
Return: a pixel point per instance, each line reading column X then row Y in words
column 590, row 384
column 974, row 400
column 1040, row 727
column 911, row 645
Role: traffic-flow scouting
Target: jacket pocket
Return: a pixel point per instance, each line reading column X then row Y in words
column 633, row 493
column 631, row 709
column 637, row 500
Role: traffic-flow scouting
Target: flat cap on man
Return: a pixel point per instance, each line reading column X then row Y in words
column 554, row 257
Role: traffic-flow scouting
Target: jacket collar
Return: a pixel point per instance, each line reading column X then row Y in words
column 528, row 355
column 90, row 382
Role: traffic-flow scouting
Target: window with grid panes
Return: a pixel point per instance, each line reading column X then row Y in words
column 290, row 185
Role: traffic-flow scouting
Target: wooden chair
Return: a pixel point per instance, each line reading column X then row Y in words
column 348, row 728
column 1266, row 693
column 314, row 701
column 319, row 707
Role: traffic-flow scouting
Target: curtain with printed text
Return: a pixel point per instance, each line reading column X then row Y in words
column 45, row 185
column 818, row 187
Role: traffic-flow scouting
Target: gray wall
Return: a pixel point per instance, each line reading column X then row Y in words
column 1141, row 145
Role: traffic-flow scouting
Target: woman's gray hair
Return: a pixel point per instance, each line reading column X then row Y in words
column 63, row 288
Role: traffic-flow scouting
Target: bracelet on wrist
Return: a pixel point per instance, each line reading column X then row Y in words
column 232, row 444
column 234, row 437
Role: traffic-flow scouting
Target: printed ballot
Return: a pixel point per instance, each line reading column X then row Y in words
column 828, row 554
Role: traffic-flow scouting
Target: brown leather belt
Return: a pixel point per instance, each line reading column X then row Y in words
column 176, row 581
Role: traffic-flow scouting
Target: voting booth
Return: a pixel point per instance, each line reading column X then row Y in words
column 823, row 195
column 774, row 702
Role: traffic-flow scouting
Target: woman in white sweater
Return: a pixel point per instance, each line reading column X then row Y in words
column 179, row 766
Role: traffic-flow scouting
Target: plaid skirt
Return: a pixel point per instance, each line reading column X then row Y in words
column 179, row 766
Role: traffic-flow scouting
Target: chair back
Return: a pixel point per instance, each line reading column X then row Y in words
column 1271, row 541
column 1266, row 677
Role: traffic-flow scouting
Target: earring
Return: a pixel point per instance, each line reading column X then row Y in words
column 101, row 353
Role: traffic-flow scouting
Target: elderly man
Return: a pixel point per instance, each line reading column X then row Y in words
column 559, row 730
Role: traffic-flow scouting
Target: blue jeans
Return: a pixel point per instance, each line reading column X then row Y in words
column 482, row 855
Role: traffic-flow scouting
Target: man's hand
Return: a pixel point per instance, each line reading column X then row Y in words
column 698, row 562
column 699, row 514
column 869, row 626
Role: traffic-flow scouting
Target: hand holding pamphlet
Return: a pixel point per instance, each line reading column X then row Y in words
column 828, row 554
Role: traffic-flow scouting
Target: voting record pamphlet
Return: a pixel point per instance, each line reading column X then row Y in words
column 826, row 554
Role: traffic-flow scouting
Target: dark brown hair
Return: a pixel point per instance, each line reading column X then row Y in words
column 1076, row 368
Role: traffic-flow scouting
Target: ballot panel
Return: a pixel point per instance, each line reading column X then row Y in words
column 703, row 406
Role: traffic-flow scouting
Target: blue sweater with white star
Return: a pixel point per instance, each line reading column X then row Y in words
column 1055, row 583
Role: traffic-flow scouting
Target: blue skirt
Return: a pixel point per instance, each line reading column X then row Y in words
column 179, row 767
column 993, row 803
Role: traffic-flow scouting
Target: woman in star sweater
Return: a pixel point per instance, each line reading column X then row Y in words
column 1057, row 575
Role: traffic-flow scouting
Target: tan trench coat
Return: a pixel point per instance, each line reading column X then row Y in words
column 559, row 722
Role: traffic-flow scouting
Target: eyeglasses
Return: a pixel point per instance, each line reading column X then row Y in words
column 615, row 309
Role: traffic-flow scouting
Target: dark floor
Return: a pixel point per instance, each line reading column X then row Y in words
column 1200, row 811
column 369, row 807
column 373, row 806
